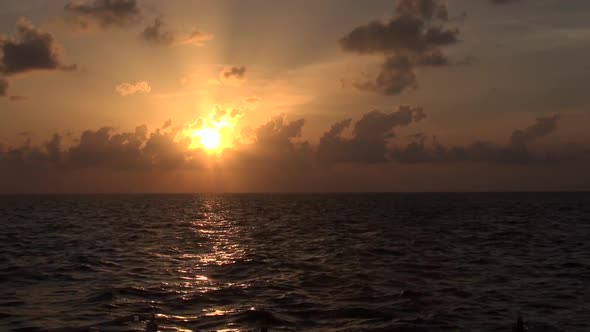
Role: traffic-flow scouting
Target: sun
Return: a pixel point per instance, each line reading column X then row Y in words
column 215, row 132
column 209, row 138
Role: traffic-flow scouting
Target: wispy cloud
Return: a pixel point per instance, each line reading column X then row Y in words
column 126, row 89
column 104, row 14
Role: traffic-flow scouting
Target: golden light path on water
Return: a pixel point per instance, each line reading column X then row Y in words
column 218, row 235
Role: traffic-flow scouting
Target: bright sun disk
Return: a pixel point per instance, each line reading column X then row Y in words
column 210, row 138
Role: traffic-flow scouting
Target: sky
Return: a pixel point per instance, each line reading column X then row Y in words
column 102, row 96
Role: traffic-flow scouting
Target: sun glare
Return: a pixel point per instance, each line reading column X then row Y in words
column 209, row 138
column 215, row 132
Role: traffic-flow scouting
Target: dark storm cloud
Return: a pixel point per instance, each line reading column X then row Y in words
column 30, row 49
column 3, row 87
column 370, row 136
column 413, row 37
column 102, row 13
column 157, row 34
column 516, row 150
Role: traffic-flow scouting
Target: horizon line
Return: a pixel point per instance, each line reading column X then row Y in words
column 299, row 192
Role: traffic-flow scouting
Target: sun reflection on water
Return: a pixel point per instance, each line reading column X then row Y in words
column 213, row 240
column 222, row 235
column 219, row 312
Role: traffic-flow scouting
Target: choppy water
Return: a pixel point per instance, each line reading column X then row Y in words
column 379, row 262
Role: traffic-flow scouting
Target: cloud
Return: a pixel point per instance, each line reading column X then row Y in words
column 413, row 37
column 102, row 13
column 158, row 34
column 515, row 151
column 397, row 74
column 358, row 153
column 370, row 136
column 126, row 89
column 196, row 38
column 30, row 50
column 28, row 155
column 275, row 145
column 253, row 100
column 277, row 134
column 137, row 150
column 3, row 87
column 233, row 72
column 542, row 127
column 230, row 75
column 279, row 144
column 17, row 98
column 103, row 148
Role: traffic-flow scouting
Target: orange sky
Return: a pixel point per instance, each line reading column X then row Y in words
column 192, row 96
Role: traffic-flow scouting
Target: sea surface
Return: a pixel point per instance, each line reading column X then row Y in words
column 325, row 262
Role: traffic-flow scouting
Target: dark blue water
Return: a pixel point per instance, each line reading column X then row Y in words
column 358, row 262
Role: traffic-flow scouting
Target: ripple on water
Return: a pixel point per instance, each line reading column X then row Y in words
column 378, row 262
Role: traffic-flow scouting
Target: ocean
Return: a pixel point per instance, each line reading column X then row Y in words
column 296, row 262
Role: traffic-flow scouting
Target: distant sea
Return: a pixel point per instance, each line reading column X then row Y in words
column 325, row 262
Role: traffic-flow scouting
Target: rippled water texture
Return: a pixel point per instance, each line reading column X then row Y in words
column 383, row 262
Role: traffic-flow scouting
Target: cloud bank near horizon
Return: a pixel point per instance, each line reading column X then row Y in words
column 280, row 143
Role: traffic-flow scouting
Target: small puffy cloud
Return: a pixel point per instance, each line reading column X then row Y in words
column 233, row 72
column 126, row 89
column 102, row 13
column 413, row 37
column 230, row 75
column 253, row 100
column 30, row 49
